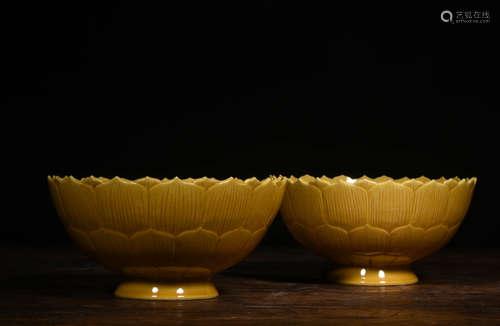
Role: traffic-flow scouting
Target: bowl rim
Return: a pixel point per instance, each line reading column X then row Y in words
column 308, row 179
column 94, row 181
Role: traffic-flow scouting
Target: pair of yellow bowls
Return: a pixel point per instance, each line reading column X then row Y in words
column 169, row 237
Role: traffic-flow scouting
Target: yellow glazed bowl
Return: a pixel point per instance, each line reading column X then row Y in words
column 375, row 228
column 167, row 237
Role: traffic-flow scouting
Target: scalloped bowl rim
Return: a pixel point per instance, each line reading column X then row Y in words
column 94, row 182
column 308, row 179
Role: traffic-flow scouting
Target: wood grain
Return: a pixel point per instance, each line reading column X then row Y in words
column 273, row 286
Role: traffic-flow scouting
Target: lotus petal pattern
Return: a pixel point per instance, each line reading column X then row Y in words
column 375, row 223
column 168, row 230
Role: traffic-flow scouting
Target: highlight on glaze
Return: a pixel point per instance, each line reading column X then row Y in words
column 375, row 222
column 169, row 228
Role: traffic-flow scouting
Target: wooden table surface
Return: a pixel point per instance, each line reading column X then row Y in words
column 273, row 286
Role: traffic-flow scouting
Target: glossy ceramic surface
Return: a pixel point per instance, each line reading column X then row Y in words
column 375, row 228
column 167, row 237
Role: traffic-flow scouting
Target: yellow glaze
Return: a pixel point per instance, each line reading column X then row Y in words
column 166, row 291
column 372, row 276
column 374, row 225
column 165, row 235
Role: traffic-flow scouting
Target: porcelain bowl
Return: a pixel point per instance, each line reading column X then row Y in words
column 374, row 228
column 166, row 237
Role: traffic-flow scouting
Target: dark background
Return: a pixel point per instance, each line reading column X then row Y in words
column 244, row 89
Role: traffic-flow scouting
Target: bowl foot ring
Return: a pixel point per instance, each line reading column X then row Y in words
column 372, row 276
column 146, row 290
